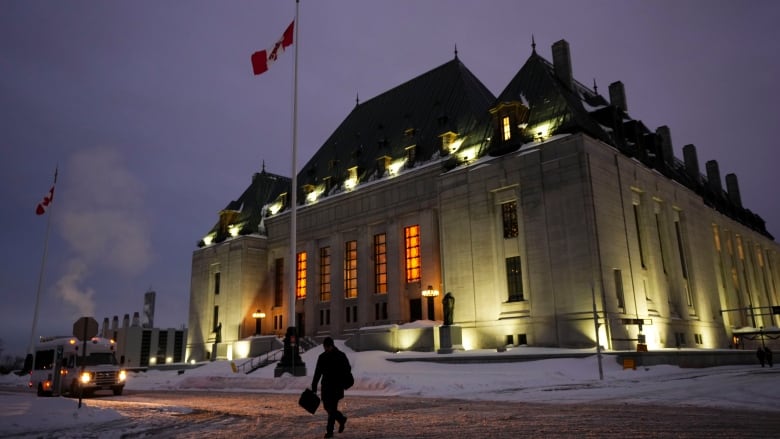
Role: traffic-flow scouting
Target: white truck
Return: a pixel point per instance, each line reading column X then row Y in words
column 59, row 367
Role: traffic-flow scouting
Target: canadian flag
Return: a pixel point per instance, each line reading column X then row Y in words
column 43, row 205
column 263, row 59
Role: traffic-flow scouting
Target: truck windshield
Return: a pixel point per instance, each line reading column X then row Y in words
column 99, row 358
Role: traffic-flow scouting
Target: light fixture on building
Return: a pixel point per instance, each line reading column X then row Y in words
column 430, row 293
column 258, row 316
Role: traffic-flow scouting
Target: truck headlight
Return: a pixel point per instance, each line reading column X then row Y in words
column 122, row 375
column 86, row 377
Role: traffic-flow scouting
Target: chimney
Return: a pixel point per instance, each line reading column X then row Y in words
column 136, row 320
column 691, row 163
column 713, row 177
column 106, row 329
column 149, row 309
column 667, row 151
column 562, row 62
column 126, row 321
column 732, row 186
column 115, row 323
column 617, row 95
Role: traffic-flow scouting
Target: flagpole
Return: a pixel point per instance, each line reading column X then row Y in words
column 40, row 275
column 294, row 188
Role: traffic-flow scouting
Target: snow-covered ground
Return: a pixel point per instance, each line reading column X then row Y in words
column 565, row 380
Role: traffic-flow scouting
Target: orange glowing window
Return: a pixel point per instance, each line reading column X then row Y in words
column 380, row 263
column 324, row 274
column 350, row 269
column 300, row 276
column 412, row 245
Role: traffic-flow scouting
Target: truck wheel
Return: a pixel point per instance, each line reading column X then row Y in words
column 40, row 390
column 117, row 390
column 74, row 389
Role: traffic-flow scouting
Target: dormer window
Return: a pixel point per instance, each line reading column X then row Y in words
column 410, row 153
column 448, row 140
column 382, row 164
column 352, row 178
column 509, row 121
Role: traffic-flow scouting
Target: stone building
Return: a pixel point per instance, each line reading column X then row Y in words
column 547, row 212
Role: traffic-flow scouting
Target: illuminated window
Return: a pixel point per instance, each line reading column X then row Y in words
column 507, row 129
column 380, row 263
column 716, row 237
column 514, row 279
column 350, row 269
column 509, row 218
column 279, row 282
column 740, row 251
column 324, row 274
column 300, row 276
column 412, row 245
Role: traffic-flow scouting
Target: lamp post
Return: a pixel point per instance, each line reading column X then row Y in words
column 259, row 316
column 430, row 293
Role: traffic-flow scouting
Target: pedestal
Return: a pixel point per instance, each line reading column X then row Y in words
column 291, row 361
column 450, row 339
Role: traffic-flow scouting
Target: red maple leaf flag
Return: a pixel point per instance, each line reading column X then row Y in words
column 43, row 205
column 263, row 59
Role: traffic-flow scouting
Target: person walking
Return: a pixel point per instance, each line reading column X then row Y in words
column 332, row 367
column 768, row 355
column 761, row 356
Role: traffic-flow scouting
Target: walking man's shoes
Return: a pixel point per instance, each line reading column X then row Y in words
column 341, row 424
column 327, row 435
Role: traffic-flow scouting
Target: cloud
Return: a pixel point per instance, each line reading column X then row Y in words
column 69, row 289
column 103, row 213
column 102, row 217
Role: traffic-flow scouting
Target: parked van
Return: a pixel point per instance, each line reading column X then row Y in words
column 60, row 368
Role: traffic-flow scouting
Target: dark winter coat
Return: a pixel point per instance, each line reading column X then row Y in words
column 332, row 366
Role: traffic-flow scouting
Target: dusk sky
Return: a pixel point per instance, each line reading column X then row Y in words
column 151, row 112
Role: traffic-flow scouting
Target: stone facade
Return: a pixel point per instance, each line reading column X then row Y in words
column 565, row 233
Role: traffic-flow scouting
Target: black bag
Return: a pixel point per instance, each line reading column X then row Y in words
column 347, row 381
column 309, row 401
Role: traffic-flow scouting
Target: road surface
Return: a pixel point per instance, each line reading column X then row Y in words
column 253, row 415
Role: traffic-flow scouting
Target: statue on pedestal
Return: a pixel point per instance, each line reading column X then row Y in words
column 448, row 303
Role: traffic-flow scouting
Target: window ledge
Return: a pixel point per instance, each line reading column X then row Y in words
column 513, row 310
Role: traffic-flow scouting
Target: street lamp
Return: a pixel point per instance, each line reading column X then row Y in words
column 259, row 316
column 430, row 293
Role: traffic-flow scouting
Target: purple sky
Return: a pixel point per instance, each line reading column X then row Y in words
column 152, row 113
